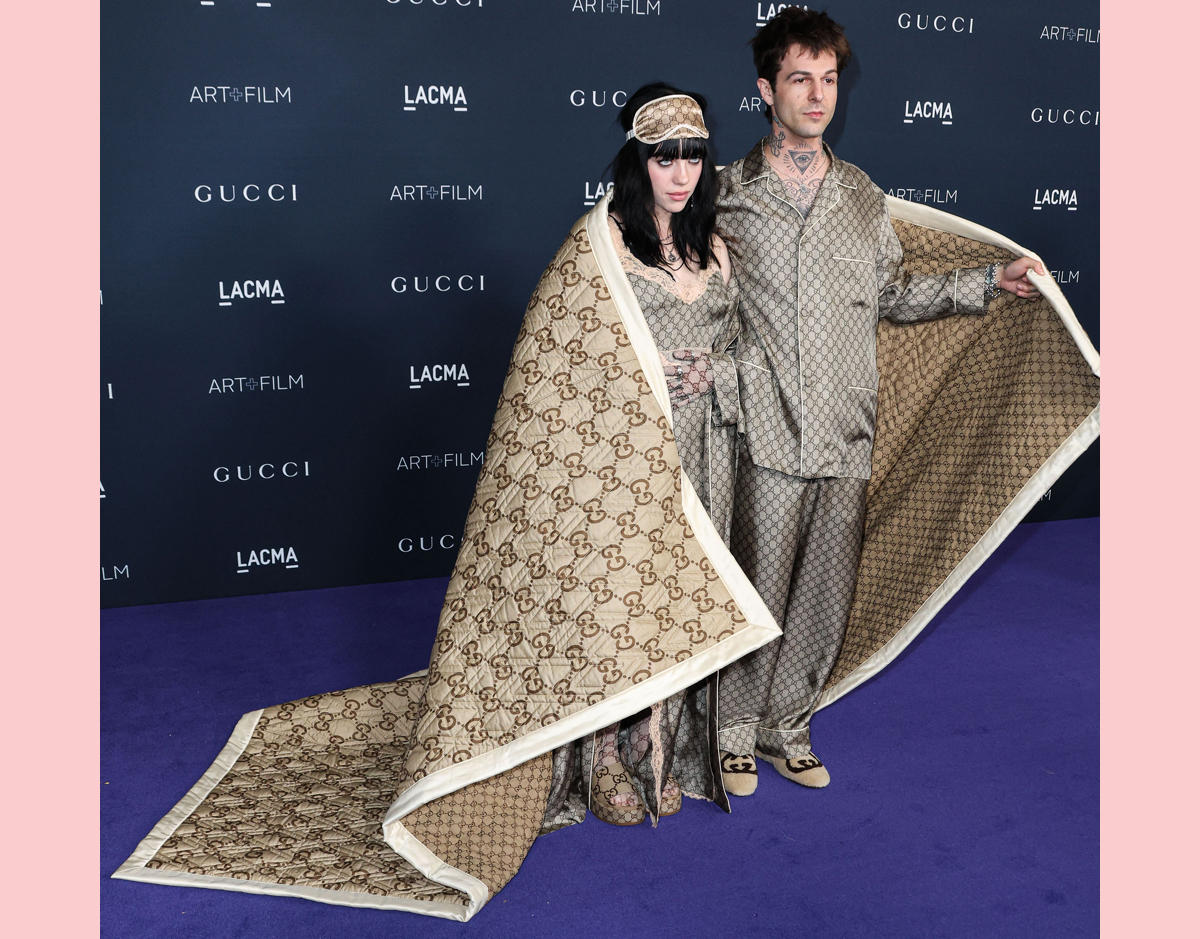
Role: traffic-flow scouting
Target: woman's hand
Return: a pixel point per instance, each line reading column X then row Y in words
column 689, row 375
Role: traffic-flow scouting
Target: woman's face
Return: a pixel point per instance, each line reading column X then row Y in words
column 673, row 179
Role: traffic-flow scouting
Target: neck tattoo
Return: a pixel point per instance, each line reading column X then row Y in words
column 805, row 161
column 799, row 164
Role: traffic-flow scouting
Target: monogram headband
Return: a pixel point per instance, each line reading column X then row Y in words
column 667, row 118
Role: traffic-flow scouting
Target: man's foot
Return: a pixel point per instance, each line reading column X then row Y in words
column 739, row 774
column 806, row 770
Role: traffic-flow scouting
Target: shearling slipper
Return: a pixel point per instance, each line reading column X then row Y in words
column 806, row 770
column 739, row 774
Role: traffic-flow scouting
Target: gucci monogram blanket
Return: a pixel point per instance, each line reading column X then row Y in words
column 591, row 583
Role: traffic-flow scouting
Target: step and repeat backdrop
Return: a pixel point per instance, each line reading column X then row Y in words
column 322, row 223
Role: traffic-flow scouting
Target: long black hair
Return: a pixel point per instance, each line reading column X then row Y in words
column 633, row 194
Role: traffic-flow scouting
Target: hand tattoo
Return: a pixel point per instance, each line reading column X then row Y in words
column 692, row 378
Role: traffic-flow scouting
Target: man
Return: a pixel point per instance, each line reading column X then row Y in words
column 819, row 265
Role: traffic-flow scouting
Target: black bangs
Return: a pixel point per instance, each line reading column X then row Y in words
column 633, row 193
column 679, row 148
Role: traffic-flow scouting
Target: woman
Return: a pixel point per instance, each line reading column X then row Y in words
column 662, row 216
column 591, row 587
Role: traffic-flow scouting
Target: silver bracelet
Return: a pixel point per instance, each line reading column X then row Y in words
column 991, row 288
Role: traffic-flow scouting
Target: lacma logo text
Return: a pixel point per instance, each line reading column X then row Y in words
column 435, row 94
column 250, row 290
column 261, row 4
column 264, row 557
column 1067, row 198
column 592, row 196
column 768, row 10
column 437, row 373
column 929, row 110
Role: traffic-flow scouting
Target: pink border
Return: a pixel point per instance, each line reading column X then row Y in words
column 49, row 66
column 1149, row 312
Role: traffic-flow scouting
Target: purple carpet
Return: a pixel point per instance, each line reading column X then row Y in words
column 964, row 802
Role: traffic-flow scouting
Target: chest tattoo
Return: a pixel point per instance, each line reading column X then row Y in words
column 801, row 173
column 802, row 194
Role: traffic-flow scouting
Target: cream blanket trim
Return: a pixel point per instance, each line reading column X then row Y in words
column 135, row 868
column 759, row 630
column 1080, row 439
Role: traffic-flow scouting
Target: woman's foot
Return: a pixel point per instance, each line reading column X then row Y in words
column 739, row 773
column 672, row 797
column 614, row 800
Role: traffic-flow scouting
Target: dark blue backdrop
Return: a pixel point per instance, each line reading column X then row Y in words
column 322, row 222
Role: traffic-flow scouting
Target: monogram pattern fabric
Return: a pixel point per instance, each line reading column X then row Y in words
column 970, row 407
column 813, row 290
column 578, row 578
column 579, row 575
column 302, row 803
column 705, row 430
column 667, row 118
column 798, row 540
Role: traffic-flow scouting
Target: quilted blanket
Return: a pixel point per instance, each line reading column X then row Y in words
column 591, row 583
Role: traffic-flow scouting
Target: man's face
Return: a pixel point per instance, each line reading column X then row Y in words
column 804, row 93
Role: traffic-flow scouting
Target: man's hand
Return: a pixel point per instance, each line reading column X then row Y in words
column 1013, row 279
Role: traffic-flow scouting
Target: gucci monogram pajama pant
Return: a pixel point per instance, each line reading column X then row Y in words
column 798, row 540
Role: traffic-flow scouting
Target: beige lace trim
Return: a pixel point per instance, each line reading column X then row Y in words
column 688, row 293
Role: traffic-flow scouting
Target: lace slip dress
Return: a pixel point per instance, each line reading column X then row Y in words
column 701, row 315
